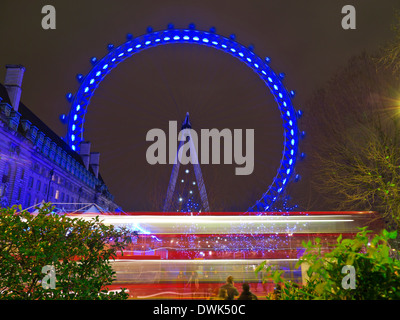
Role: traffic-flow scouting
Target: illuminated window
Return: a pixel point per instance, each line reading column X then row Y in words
column 57, row 194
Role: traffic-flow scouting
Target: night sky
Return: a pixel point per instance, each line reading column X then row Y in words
column 304, row 39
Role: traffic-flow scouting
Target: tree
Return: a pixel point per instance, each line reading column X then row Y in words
column 376, row 273
column 78, row 251
column 363, row 173
column 353, row 143
column 354, row 134
column 390, row 55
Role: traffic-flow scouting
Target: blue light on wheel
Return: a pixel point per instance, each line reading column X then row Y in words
column 229, row 45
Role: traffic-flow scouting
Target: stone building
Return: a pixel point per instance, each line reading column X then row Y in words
column 37, row 165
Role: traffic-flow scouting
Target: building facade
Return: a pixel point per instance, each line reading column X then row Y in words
column 36, row 165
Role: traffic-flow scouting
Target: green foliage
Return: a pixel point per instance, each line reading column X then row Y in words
column 377, row 273
column 79, row 251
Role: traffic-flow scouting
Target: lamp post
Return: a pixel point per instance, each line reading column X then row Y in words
column 48, row 189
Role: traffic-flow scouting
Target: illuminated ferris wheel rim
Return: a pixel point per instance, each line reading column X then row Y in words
column 283, row 97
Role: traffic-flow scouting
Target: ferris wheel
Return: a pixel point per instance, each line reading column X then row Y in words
column 88, row 84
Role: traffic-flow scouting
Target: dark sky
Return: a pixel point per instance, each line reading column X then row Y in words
column 304, row 39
